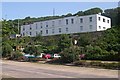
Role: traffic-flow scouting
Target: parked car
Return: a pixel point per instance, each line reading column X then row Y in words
column 47, row 56
column 56, row 56
column 41, row 55
column 27, row 57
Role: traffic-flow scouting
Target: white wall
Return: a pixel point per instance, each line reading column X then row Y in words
column 72, row 28
column 103, row 24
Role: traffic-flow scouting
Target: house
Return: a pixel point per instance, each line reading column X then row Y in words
column 67, row 25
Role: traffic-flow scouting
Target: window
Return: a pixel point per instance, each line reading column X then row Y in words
column 23, row 29
column 30, row 28
column 81, row 20
column 36, row 33
column 99, row 27
column 66, row 29
column 30, row 33
column 52, row 30
column 59, row 22
column 59, row 30
column 36, row 25
column 99, row 18
column 46, row 31
column 72, row 21
column 41, row 32
column 103, row 27
column 90, row 26
column 53, row 23
column 107, row 21
column 66, row 21
column 103, row 20
column 81, row 28
column 41, row 25
column 46, row 24
column 90, row 18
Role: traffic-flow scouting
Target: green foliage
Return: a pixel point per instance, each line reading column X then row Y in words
column 98, row 64
column 70, row 55
column 33, row 50
column 64, row 42
column 6, row 50
column 93, row 11
column 7, row 28
column 17, row 55
column 84, row 40
column 89, row 12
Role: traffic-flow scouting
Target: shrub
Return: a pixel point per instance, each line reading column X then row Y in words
column 17, row 55
column 6, row 50
column 69, row 55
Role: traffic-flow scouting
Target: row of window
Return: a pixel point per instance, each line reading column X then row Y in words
column 104, row 20
column 60, row 30
column 101, row 27
column 90, row 27
column 41, row 32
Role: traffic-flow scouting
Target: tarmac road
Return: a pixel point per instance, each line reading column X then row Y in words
column 35, row 70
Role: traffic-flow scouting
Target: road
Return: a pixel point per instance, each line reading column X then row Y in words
column 35, row 70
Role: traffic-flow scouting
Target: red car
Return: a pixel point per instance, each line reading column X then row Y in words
column 47, row 56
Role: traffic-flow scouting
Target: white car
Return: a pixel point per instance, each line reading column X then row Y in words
column 56, row 56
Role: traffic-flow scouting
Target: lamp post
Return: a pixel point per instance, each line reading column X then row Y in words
column 73, row 44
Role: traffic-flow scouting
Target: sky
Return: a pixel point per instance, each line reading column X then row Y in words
column 20, row 10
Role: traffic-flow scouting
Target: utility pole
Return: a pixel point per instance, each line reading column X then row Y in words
column 53, row 11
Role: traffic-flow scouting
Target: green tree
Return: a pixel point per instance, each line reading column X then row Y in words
column 6, row 50
column 33, row 50
column 84, row 40
column 64, row 42
column 69, row 55
column 93, row 11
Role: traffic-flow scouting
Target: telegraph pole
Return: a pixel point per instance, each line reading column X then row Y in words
column 53, row 11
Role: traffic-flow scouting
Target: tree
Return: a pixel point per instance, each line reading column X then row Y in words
column 80, row 13
column 6, row 50
column 84, row 40
column 33, row 50
column 69, row 55
column 68, row 15
column 64, row 42
column 93, row 11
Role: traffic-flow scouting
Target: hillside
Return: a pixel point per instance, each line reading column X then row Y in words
column 98, row 45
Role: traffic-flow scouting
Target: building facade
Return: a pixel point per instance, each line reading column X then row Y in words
column 67, row 25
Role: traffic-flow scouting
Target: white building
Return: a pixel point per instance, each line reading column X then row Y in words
column 67, row 25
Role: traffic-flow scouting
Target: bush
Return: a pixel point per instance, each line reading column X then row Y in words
column 98, row 64
column 81, row 62
column 69, row 55
column 6, row 50
column 17, row 55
